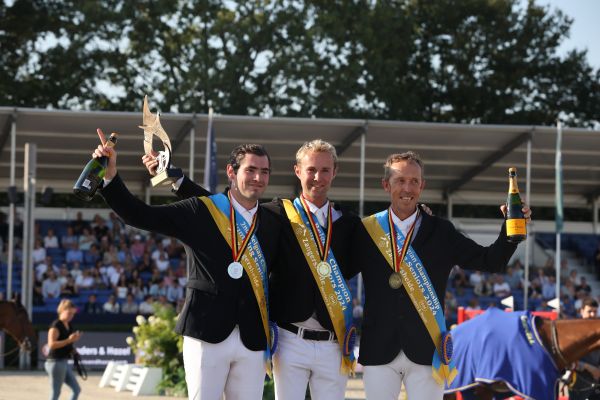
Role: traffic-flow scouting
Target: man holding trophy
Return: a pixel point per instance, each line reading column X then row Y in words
column 225, row 320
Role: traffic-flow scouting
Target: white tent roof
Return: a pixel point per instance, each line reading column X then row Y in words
column 469, row 162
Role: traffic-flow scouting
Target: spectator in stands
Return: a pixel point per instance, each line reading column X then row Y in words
column 38, row 297
column 79, row 224
column 43, row 268
column 160, row 248
column 91, row 256
column 513, row 280
column 51, row 286
column 129, row 306
column 573, row 277
column 137, row 248
column 99, row 282
column 111, row 306
column 99, row 227
column 111, row 256
column 500, row 288
column 473, row 304
column 476, row 279
column 450, row 307
column 69, row 289
column 568, row 289
column 145, row 264
column 121, row 288
column 92, row 306
column 567, row 307
column 163, row 301
column 549, row 288
column 535, row 289
column 162, row 263
column 483, row 287
column 174, row 292
column 459, row 278
column 85, row 280
column 579, row 300
column 174, row 249
column 116, row 227
column 583, row 286
column 86, row 240
column 74, row 254
column 76, row 270
column 138, row 289
column 123, row 254
column 50, row 240
column 63, row 274
column 589, row 365
column 543, row 306
column 39, row 252
column 147, row 306
column 69, row 239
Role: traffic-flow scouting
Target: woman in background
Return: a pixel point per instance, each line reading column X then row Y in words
column 61, row 337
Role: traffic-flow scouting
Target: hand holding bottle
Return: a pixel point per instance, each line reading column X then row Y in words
column 104, row 150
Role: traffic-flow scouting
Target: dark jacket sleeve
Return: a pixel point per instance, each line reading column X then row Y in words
column 188, row 189
column 470, row 255
column 172, row 219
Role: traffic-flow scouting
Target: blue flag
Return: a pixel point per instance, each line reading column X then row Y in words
column 558, row 178
column 210, row 162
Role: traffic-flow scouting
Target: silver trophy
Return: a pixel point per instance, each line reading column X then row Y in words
column 165, row 172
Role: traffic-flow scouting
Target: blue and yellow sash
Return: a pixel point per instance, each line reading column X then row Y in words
column 252, row 260
column 333, row 288
column 421, row 292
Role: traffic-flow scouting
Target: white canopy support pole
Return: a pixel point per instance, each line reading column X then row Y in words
column 595, row 214
column 11, row 208
column 29, row 185
column 192, row 147
column 361, row 199
column 527, row 239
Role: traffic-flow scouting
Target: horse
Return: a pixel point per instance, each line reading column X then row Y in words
column 14, row 320
column 563, row 342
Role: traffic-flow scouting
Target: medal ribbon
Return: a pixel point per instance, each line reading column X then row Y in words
column 252, row 260
column 237, row 251
column 419, row 288
column 323, row 247
column 398, row 258
column 333, row 288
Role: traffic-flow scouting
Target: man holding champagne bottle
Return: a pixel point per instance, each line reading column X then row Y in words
column 225, row 323
column 405, row 256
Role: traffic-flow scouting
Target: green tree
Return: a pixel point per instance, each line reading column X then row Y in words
column 482, row 61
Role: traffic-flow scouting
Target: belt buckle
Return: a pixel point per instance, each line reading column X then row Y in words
column 300, row 332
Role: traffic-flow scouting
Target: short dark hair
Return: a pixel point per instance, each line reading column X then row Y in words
column 239, row 152
column 406, row 156
column 590, row 302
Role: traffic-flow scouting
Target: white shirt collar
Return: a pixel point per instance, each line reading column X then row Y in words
column 406, row 224
column 321, row 212
column 246, row 214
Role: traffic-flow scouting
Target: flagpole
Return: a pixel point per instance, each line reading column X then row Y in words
column 559, row 208
column 208, row 154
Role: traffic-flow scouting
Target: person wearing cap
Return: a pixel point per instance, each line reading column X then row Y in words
column 405, row 256
column 311, row 302
column 225, row 318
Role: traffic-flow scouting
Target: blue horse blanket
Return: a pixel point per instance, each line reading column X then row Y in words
column 503, row 346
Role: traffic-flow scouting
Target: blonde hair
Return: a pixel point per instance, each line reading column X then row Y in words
column 64, row 304
column 317, row 146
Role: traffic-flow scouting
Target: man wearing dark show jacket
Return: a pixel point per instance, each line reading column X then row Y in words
column 225, row 317
column 310, row 344
column 396, row 347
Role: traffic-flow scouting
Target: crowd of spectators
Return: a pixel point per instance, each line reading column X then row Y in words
column 107, row 267
column 470, row 289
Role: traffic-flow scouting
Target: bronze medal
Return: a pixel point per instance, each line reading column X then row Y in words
column 395, row 280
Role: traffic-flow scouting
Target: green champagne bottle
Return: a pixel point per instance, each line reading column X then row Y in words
column 516, row 230
column 93, row 173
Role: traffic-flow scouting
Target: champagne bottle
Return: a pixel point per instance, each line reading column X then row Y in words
column 516, row 230
column 93, row 173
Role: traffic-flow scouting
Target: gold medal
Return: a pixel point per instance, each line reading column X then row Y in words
column 395, row 280
column 323, row 269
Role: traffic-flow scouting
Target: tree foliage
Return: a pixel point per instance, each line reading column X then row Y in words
column 481, row 61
